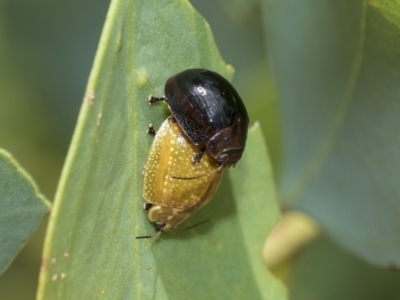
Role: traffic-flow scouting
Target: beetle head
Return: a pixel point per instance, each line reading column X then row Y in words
column 228, row 145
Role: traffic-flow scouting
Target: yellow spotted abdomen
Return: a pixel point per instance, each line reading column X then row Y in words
column 171, row 178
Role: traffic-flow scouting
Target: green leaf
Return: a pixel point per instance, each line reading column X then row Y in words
column 337, row 67
column 22, row 209
column 90, row 248
column 311, row 279
column 389, row 9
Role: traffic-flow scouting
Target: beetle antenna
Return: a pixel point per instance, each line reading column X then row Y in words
column 149, row 236
column 144, row 237
column 197, row 224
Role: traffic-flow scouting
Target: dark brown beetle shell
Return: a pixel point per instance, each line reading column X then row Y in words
column 210, row 112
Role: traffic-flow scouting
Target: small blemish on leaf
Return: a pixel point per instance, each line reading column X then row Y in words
column 99, row 117
column 142, row 78
column 89, row 98
column 255, row 126
column 230, row 68
column 44, row 266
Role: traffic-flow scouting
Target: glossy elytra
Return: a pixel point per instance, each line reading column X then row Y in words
column 210, row 112
column 173, row 187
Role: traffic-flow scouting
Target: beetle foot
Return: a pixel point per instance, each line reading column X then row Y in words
column 196, row 159
column 153, row 99
column 172, row 119
column 147, row 206
column 150, row 129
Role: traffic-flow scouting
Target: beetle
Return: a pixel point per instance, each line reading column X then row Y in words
column 210, row 112
column 173, row 187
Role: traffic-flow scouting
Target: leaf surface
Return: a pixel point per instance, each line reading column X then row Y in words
column 91, row 250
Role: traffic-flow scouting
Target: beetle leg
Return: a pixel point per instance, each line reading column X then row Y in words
column 153, row 99
column 172, row 119
column 196, row 159
column 147, row 206
column 150, row 129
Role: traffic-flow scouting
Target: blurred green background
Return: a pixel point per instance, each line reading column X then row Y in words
column 46, row 53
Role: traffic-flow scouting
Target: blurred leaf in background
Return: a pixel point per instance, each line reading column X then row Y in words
column 337, row 67
column 46, row 52
column 239, row 33
column 22, row 209
column 325, row 271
